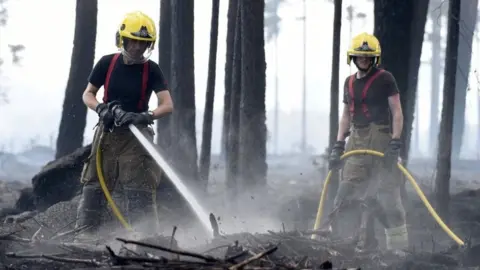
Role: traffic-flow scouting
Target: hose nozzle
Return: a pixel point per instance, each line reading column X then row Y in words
column 118, row 113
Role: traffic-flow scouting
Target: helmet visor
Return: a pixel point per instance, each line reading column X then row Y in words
column 136, row 51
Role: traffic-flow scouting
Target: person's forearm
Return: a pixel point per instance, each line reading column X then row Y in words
column 397, row 125
column 90, row 100
column 343, row 127
column 162, row 110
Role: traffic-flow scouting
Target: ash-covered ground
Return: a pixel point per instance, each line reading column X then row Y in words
column 275, row 220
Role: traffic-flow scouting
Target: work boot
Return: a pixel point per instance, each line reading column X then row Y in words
column 366, row 240
column 397, row 239
column 89, row 213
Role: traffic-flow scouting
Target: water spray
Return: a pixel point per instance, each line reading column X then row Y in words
column 197, row 208
column 176, row 180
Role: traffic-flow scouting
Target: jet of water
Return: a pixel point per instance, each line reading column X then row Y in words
column 176, row 180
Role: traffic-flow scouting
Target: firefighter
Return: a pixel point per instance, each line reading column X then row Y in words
column 373, row 115
column 131, row 175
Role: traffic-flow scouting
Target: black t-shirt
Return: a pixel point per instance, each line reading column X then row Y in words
column 125, row 83
column 381, row 88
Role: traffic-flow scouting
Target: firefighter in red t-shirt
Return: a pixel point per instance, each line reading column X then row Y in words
column 373, row 115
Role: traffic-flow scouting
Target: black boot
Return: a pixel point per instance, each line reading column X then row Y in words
column 89, row 213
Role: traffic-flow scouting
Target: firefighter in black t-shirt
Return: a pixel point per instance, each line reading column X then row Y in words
column 131, row 175
column 371, row 100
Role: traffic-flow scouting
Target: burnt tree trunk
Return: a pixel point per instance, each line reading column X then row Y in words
column 232, row 153
column 334, row 82
column 183, row 90
column 334, row 93
column 442, row 179
column 468, row 15
column 253, row 129
column 165, row 61
column 400, row 26
column 231, row 25
column 206, row 148
column 74, row 113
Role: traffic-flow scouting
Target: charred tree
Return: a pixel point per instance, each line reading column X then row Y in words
column 206, row 148
column 442, row 180
column 334, row 91
column 232, row 153
column 231, row 26
column 165, row 60
column 183, row 90
column 253, row 130
column 468, row 15
column 400, row 27
column 74, row 113
column 334, row 81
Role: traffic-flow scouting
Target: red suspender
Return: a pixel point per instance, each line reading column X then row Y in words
column 144, row 86
column 352, row 94
column 364, row 92
column 107, row 79
column 143, row 93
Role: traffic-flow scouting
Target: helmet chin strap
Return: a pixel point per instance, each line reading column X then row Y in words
column 131, row 60
column 365, row 69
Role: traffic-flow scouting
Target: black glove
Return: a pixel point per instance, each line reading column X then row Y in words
column 143, row 118
column 334, row 162
column 105, row 115
column 134, row 118
column 392, row 153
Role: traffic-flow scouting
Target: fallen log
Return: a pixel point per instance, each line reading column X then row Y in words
column 63, row 175
column 24, row 203
column 58, row 181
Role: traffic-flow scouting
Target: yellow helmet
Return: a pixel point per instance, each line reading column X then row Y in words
column 138, row 26
column 365, row 45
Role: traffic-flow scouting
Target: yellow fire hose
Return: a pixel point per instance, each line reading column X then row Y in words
column 405, row 172
column 108, row 196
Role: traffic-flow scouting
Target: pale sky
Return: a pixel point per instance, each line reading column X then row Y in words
column 36, row 88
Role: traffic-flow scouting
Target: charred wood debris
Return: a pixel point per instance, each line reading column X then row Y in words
column 273, row 250
column 27, row 242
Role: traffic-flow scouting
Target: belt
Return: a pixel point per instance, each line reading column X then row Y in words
column 385, row 129
column 360, row 126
